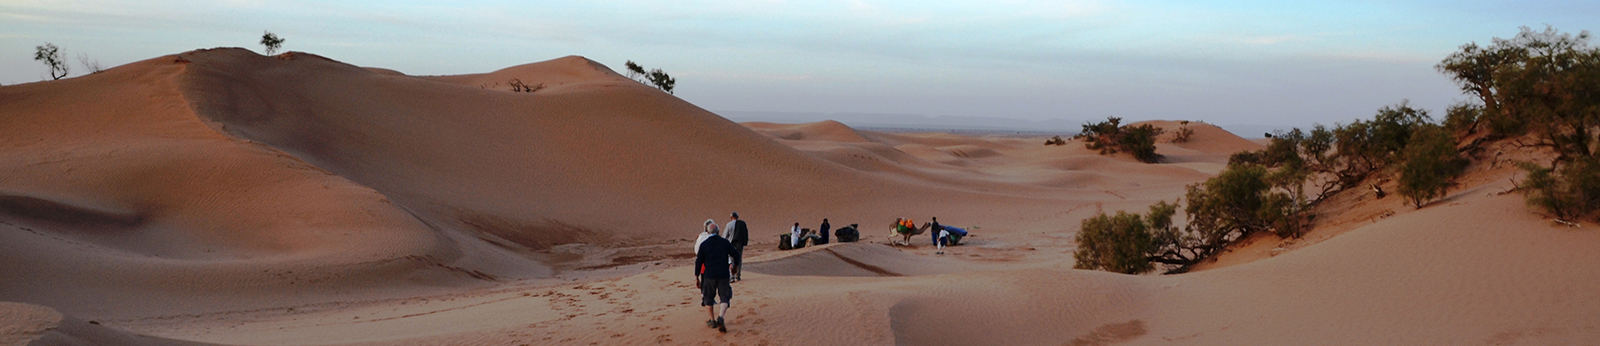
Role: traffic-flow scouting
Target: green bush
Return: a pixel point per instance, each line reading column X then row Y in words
column 1110, row 136
column 1570, row 192
column 1237, row 203
column 1119, row 243
column 271, row 41
column 1431, row 163
column 1545, row 84
column 1221, row 210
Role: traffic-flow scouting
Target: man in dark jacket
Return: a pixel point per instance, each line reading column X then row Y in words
column 739, row 236
column 711, row 274
column 935, row 230
column 823, row 232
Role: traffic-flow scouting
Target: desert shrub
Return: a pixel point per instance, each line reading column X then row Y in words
column 662, row 81
column 92, row 65
column 1430, row 163
column 654, row 77
column 1293, row 158
column 1141, row 142
column 1101, row 136
column 271, row 41
column 1237, row 203
column 1055, row 140
column 50, row 55
column 1183, row 134
column 518, row 86
column 1367, row 146
column 1221, row 210
column 1462, row 118
column 1570, row 192
column 1119, row 243
column 1110, row 137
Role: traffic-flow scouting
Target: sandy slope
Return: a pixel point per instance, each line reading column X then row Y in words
column 118, row 201
column 225, row 197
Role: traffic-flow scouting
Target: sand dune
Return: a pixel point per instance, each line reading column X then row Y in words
column 24, row 324
column 220, row 196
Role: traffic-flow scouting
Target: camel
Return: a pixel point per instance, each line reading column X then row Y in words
column 894, row 231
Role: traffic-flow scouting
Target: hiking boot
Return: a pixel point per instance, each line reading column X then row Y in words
column 721, row 326
column 711, row 323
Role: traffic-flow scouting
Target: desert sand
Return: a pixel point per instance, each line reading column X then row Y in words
column 224, row 197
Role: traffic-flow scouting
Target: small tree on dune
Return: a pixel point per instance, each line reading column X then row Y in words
column 51, row 56
column 1184, row 133
column 662, row 80
column 1431, row 162
column 653, row 77
column 271, row 41
column 635, row 72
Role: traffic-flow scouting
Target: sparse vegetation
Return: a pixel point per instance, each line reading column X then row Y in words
column 518, row 86
column 1183, row 134
column 1055, row 140
column 1430, row 163
column 271, row 41
column 90, row 64
column 1541, row 84
column 1110, row 137
column 1121, row 243
column 653, row 77
column 1544, row 84
column 50, row 55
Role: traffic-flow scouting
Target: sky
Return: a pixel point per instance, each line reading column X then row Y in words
column 1278, row 63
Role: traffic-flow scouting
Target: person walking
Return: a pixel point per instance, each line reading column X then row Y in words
column 739, row 236
column 712, row 272
column 935, row 231
column 822, row 232
column 710, row 228
column 941, row 239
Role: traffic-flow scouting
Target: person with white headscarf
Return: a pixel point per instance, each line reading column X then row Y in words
column 709, row 230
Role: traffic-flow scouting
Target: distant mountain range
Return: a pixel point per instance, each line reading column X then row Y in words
column 953, row 122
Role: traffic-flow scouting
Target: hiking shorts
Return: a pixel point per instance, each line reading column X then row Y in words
column 714, row 288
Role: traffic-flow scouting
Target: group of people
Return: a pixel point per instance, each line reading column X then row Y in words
column 717, row 265
column 798, row 236
column 719, row 255
column 942, row 235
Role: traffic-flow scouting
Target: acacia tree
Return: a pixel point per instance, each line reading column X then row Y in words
column 51, row 56
column 271, row 41
column 662, row 80
column 635, row 72
column 1544, row 84
column 653, row 77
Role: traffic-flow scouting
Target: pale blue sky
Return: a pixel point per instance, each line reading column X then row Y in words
column 1226, row 62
